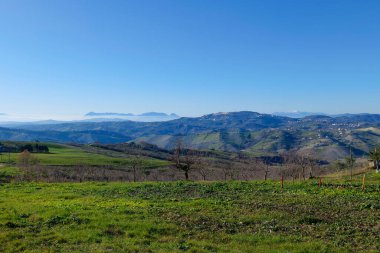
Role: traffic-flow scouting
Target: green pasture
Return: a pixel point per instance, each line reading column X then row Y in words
column 190, row 217
column 70, row 156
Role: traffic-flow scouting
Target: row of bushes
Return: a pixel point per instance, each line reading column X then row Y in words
column 32, row 148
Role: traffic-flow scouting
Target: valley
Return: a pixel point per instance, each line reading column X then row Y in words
column 326, row 138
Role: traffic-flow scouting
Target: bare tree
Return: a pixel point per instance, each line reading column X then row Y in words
column 303, row 163
column 184, row 160
column 226, row 168
column 297, row 165
column 25, row 158
column 290, row 164
column 266, row 167
column 252, row 167
column 203, row 168
column 374, row 155
column 237, row 170
column 136, row 165
column 350, row 161
column 313, row 165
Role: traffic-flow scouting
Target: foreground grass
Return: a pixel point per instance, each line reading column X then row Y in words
column 186, row 216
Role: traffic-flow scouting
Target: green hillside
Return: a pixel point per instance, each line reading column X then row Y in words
column 326, row 138
column 324, row 145
column 68, row 155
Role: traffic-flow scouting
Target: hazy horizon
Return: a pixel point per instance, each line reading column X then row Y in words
column 4, row 117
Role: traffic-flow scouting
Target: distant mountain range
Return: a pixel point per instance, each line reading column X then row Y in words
column 297, row 114
column 322, row 136
column 114, row 114
column 144, row 117
column 101, row 114
column 93, row 117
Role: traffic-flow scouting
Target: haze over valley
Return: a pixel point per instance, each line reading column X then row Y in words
column 325, row 137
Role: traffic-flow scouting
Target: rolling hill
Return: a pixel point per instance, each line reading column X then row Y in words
column 323, row 136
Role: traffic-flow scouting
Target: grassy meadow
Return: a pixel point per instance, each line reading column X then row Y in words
column 190, row 216
column 221, row 216
column 65, row 155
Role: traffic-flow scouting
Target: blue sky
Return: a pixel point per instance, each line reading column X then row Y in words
column 190, row 57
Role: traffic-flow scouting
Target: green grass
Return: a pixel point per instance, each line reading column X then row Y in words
column 343, row 177
column 8, row 172
column 69, row 156
column 190, row 217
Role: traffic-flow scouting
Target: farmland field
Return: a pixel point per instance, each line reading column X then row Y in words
column 70, row 156
column 191, row 217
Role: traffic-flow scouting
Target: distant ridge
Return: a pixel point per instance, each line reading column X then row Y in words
column 326, row 137
column 97, row 114
column 298, row 115
column 114, row 114
column 158, row 114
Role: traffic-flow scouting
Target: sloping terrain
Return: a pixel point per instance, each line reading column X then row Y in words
column 84, row 136
column 323, row 136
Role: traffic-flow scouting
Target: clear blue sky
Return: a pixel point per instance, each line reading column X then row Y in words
column 190, row 57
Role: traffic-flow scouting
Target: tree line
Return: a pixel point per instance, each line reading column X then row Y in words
column 19, row 147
